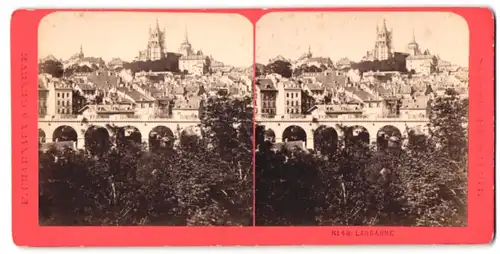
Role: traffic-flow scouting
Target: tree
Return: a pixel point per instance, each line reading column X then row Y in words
column 424, row 184
column 260, row 69
column 128, row 185
column 52, row 67
column 448, row 120
column 285, row 183
column 280, row 67
column 169, row 63
column 307, row 101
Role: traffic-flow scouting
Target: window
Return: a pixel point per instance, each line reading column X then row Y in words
column 63, row 95
column 287, row 110
column 58, row 95
column 287, row 95
column 58, row 103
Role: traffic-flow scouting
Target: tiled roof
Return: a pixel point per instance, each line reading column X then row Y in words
column 86, row 86
column 332, row 80
column 103, row 80
column 134, row 94
column 60, row 84
column 419, row 102
column 365, row 96
column 382, row 90
column 313, row 86
column 192, row 102
column 291, row 85
column 266, row 84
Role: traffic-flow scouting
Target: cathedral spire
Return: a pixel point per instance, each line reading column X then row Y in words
column 413, row 36
column 157, row 25
column 186, row 39
column 382, row 26
column 81, row 55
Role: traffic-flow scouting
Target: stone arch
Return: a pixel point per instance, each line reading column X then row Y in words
column 294, row 133
column 357, row 133
column 65, row 133
column 41, row 136
column 189, row 136
column 325, row 139
column 389, row 136
column 97, row 139
column 129, row 133
column 161, row 137
column 269, row 135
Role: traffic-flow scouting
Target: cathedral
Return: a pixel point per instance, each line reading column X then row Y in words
column 383, row 48
column 155, row 49
column 418, row 61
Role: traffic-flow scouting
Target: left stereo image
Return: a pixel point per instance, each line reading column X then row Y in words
column 145, row 119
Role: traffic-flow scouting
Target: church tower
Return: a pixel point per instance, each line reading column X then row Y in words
column 413, row 48
column 383, row 43
column 186, row 49
column 156, row 43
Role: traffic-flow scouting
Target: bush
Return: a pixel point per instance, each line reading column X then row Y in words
column 424, row 184
column 129, row 185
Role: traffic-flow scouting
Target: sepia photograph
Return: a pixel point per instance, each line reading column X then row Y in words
column 145, row 119
column 361, row 119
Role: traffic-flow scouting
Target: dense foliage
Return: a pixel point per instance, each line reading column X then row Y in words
column 206, row 181
column 304, row 68
column 280, row 67
column 397, row 63
column 52, row 67
column 423, row 184
column 76, row 68
column 170, row 63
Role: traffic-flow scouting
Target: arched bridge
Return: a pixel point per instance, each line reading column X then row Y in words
column 308, row 128
column 140, row 130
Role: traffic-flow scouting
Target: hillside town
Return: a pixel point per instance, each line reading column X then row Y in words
column 372, row 141
column 138, row 142
column 88, row 87
column 386, row 83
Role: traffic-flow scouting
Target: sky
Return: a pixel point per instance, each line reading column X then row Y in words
column 352, row 34
column 227, row 37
